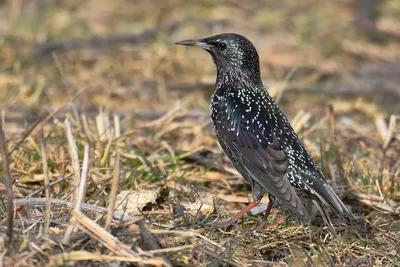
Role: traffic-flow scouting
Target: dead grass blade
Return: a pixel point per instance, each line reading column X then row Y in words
column 73, row 151
column 381, row 204
column 186, row 234
column 80, row 195
column 151, row 100
column 117, row 126
column 61, row 259
column 114, row 191
column 29, row 131
column 32, row 202
column 85, row 224
column 46, row 183
column 83, row 178
column 391, row 131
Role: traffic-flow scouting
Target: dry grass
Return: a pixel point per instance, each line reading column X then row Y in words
column 86, row 118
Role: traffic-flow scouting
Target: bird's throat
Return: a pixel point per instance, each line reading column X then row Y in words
column 234, row 77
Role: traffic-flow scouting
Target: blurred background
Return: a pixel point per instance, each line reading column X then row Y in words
column 120, row 54
column 111, row 66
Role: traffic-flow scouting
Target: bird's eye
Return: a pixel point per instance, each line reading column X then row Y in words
column 221, row 46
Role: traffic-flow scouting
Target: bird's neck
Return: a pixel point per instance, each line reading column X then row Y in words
column 235, row 77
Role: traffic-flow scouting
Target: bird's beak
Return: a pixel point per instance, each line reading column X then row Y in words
column 196, row 43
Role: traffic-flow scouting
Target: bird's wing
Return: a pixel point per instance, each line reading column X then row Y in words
column 303, row 171
column 264, row 162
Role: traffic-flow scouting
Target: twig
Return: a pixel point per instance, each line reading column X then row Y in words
column 103, row 125
column 60, row 259
column 106, row 152
column 164, row 119
column 165, row 250
column 381, row 126
column 81, row 193
column 114, row 191
column 85, row 224
column 117, row 125
column 86, row 130
column 73, row 150
column 46, row 182
column 83, row 178
column 150, row 241
column 8, row 184
column 185, row 234
column 381, row 204
column 390, row 132
column 70, row 204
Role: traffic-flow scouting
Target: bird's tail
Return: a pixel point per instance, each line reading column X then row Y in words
column 335, row 202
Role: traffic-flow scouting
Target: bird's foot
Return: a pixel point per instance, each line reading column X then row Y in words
column 234, row 219
column 260, row 226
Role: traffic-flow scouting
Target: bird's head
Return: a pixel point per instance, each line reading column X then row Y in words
column 233, row 54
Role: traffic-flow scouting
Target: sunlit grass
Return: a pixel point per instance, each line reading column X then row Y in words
column 300, row 49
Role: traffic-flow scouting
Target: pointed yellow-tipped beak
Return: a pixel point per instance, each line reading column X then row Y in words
column 195, row 43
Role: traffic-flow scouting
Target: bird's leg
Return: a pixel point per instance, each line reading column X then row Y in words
column 262, row 224
column 235, row 218
column 258, row 194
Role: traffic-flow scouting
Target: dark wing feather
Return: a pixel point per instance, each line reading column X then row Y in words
column 264, row 163
column 263, row 146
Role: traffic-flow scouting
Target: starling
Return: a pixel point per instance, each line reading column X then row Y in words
column 256, row 135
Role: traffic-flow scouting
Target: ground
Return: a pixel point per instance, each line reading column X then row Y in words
column 99, row 86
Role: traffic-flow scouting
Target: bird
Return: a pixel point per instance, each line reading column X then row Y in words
column 257, row 137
